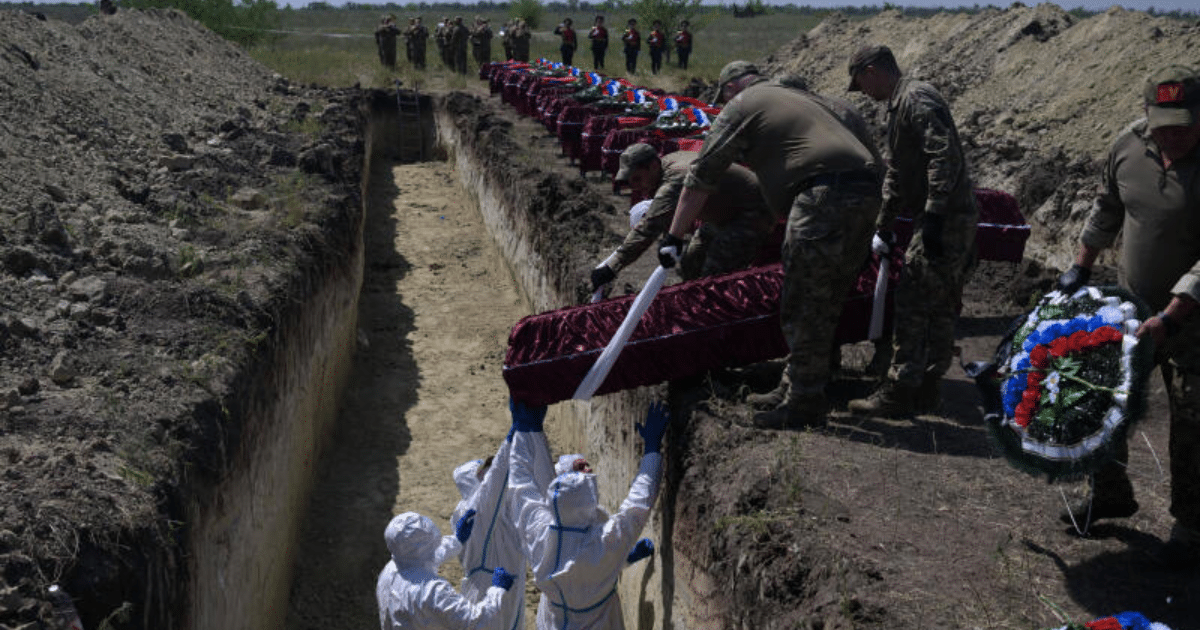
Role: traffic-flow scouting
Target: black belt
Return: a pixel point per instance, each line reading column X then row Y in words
column 841, row 178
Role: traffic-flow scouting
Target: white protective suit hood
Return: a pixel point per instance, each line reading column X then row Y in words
column 413, row 541
column 638, row 211
column 566, row 463
column 465, row 478
column 575, row 499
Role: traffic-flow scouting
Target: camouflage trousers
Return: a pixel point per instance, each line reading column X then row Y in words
column 1183, row 396
column 717, row 249
column 828, row 240
column 926, row 300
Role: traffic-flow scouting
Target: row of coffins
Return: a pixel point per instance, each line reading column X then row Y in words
column 595, row 117
column 695, row 326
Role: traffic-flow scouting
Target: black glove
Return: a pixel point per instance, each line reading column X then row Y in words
column 1074, row 278
column 931, row 235
column 670, row 248
column 883, row 242
column 601, row 276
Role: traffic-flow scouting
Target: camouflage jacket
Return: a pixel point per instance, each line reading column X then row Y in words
column 737, row 193
column 927, row 171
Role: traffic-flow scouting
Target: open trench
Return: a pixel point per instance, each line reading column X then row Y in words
column 447, row 273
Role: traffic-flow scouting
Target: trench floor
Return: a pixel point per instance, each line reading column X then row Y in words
column 437, row 305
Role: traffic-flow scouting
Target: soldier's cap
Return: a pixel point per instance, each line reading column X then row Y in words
column 733, row 71
column 864, row 57
column 1172, row 95
column 635, row 156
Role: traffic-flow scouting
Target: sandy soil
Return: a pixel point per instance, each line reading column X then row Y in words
column 437, row 305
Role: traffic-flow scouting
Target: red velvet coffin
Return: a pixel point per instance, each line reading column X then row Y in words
column 696, row 326
column 690, row 328
column 570, row 128
column 1002, row 230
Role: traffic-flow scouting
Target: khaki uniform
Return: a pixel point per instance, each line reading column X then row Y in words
column 1157, row 211
column 928, row 174
column 481, row 44
column 385, row 41
column 737, row 222
column 520, row 42
column 459, row 36
column 506, row 39
column 812, row 169
column 417, row 37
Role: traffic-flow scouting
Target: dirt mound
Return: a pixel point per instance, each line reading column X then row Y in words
column 1037, row 93
column 155, row 231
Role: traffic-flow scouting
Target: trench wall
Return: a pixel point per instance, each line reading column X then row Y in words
column 243, row 531
column 652, row 593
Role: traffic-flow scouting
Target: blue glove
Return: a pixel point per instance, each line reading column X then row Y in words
column 526, row 419
column 931, row 235
column 643, row 549
column 462, row 529
column 654, row 428
column 502, row 578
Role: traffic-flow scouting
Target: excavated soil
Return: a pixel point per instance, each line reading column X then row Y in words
column 140, row 276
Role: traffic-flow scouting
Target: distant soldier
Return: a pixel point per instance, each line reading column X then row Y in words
column 683, row 44
column 506, row 39
column 459, row 35
column 107, row 7
column 520, row 40
column 656, row 43
column 599, row 37
column 385, row 40
column 442, row 35
column 569, row 43
column 407, row 34
column 481, row 41
column 417, row 40
column 633, row 45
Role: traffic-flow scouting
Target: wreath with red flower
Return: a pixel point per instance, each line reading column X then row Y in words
column 1072, row 375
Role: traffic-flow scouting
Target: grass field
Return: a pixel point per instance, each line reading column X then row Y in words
column 336, row 47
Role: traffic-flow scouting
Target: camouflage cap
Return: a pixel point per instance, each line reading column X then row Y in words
column 633, row 157
column 733, row 71
column 864, row 57
column 1172, row 94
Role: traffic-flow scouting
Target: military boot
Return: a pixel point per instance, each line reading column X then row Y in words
column 928, row 398
column 891, row 400
column 773, row 398
column 800, row 412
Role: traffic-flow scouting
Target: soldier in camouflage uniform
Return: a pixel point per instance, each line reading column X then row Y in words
column 927, row 174
column 385, row 40
column 814, row 170
column 1151, row 196
column 417, row 37
column 520, row 40
column 459, row 38
column 736, row 220
column 481, row 41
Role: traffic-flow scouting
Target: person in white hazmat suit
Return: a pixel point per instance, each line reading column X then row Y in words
column 411, row 594
column 575, row 549
column 494, row 541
